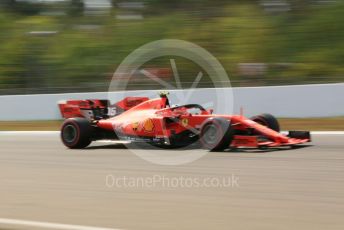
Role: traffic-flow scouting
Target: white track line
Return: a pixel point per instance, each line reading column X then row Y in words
column 327, row 133
column 47, row 225
column 28, row 133
column 113, row 142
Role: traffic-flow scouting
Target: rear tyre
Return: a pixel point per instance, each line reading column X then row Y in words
column 216, row 134
column 267, row 120
column 76, row 133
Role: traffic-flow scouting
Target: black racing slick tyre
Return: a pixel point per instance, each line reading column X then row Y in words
column 76, row 133
column 267, row 120
column 216, row 134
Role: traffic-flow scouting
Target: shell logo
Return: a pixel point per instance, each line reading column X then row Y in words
column 148, row 125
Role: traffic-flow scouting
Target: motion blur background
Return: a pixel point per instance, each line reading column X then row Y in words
column 58, row 46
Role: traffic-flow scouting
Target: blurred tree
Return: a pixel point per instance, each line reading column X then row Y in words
column 76, row 8
column 300, row 8
column 7, row 4
column 26, row 8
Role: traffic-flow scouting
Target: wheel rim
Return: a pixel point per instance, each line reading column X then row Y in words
column 210, row 135
column 69, row 133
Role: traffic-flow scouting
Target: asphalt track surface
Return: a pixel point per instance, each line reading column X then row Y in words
column 43, row 181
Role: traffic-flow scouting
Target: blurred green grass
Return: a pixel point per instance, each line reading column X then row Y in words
column 310, row 42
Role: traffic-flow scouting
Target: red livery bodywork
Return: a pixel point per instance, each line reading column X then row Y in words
column 155, row 122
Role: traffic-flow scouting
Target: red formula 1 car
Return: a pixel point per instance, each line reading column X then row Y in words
column 154, row 121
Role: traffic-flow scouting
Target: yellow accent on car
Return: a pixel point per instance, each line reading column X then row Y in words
column 135, row 125
column 148, row 125
column 185, row 122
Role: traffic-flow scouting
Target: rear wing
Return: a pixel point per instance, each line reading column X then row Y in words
column 96, row 109
column 90, row 109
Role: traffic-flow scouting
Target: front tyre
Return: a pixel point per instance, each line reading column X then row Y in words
column 216, row 134
column 267, row 120
column 76, row 133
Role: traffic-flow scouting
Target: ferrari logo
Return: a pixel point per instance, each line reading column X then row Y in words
column 185, row 122
column 148, row 125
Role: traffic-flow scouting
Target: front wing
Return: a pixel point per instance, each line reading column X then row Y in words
column 293, row 138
